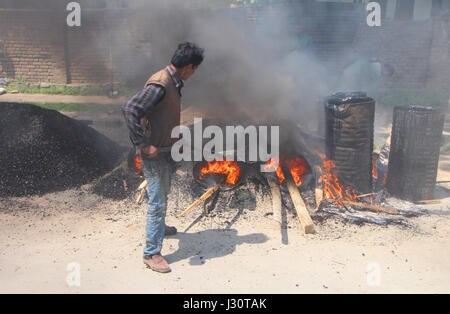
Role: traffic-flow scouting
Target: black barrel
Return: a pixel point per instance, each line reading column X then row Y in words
column 414, row 156
column 349, row 137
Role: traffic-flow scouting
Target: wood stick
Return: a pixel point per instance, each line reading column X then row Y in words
column 201, row 199
column 142, row 190
column 143, row 185
column 300, row 207
column 140, row 197
column 359, row 218
column 374, row 207
column 276, row 198
column 367, row 194
column 429, row 202
column 319, row 196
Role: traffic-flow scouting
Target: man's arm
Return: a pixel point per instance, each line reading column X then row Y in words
column 137, row 107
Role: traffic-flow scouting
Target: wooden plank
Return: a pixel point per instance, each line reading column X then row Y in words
column 276, row 199
column 300, row 207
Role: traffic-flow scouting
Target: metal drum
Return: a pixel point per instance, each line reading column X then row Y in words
column 414, row 155
column 349, row 137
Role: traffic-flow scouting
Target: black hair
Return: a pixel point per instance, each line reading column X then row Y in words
column 187, row 53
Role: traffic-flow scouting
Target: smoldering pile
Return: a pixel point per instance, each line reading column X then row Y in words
column 42, row 151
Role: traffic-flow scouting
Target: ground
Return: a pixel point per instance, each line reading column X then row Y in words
column 42, row 236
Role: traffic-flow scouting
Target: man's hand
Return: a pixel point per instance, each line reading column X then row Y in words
column 149, row 152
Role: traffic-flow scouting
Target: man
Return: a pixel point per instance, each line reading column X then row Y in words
column 150, row 116
column 364, row 74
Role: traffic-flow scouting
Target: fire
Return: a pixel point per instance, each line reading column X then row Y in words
column 297, row 168
column 137, row 163
column 270, row 167
column 385, row 176
column 229, row 168
column 374, row 166
column 332, row 187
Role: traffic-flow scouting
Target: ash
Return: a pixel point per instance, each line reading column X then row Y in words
column 250, row 199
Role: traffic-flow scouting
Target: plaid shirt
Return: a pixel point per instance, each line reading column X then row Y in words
column 141, row 103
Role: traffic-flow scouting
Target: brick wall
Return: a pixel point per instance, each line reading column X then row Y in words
column 439, row 68
column 34, row 45
column 404, row 44
column 88, row 50
column 37, row 46
column 31, row 46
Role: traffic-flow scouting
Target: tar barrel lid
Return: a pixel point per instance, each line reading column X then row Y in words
column 341, row 98
column 419, row 109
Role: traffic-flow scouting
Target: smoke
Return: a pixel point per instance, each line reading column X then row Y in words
column 250, row 71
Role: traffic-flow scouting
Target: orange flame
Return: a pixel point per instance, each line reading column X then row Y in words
column 137, row 163
column 297, row 168
column 229, row 168
column 270, row 167
column 332, row 187
column 374, row 166
column 385, row 176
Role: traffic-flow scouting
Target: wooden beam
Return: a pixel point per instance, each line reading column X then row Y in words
column 276, row 198
column 300, row 207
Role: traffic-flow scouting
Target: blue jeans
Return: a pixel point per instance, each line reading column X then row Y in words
column 158, row 174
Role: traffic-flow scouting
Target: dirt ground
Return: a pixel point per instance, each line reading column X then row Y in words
column 45, row 240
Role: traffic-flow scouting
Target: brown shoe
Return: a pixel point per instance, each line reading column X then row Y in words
column 157, row 263
column 170, row 231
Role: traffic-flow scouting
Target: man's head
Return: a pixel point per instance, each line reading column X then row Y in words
column 186, row 59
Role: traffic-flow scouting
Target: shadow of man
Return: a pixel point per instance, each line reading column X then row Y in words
column 200, row 246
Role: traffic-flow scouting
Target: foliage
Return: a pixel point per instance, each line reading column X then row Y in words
column 76, row 107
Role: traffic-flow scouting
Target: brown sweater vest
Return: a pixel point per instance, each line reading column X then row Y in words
column 165, row 115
